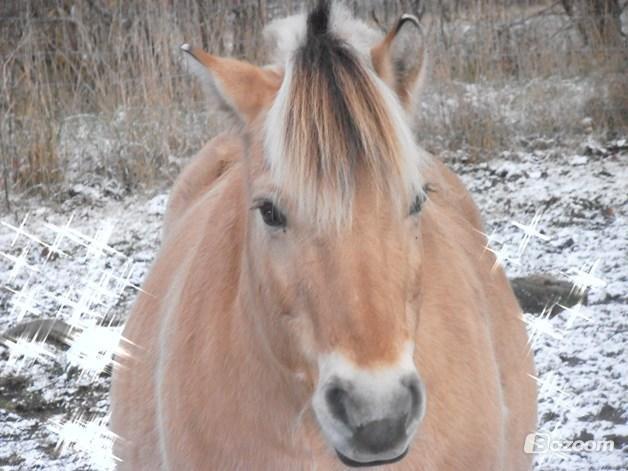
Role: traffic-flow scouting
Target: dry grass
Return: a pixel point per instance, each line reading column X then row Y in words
column 96, row 88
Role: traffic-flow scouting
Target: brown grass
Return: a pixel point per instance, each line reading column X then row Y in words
column 116, row 63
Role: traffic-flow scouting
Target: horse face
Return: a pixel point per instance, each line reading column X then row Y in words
column 337, row 306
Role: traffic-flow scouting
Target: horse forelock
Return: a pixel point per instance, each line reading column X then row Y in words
column 335, row 126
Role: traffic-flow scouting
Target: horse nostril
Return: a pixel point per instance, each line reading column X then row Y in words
column 415, row 398
column 337, row 400
column 381, row 435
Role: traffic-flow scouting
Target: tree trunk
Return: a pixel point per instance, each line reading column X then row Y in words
column 597, row 21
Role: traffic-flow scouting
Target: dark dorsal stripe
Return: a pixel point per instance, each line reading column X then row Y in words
column 338, row 127
column 327, row 60
column 318, row 19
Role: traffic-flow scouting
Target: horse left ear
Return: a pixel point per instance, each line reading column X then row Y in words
column 236, row 85
column 400, row 60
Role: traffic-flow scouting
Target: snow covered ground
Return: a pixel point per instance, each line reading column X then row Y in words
column 83, row 259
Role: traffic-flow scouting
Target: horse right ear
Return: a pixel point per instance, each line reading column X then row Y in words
column 400, row 60
column 235, row 85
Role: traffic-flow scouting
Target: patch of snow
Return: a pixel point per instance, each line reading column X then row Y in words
column 582, row 207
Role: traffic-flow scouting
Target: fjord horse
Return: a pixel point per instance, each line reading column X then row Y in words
column 313, row 304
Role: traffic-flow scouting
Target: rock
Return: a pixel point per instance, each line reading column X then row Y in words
column 54, row 331
column 570, row 360
column 584, row 436
column 579, row 160
column 612, row 414
column 536, row 292
column 618, row 440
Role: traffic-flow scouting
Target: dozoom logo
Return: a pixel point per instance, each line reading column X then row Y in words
column 544, row 443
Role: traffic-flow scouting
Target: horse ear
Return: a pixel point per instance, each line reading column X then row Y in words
column 235, row 85
column 400, row 59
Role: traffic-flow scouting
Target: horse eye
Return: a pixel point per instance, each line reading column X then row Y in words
column 417, row 204
column 271, row 215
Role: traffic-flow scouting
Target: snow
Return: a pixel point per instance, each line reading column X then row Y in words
column 585, row 205
column 577, row 189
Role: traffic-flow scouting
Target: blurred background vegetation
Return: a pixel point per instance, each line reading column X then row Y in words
column 93, row 91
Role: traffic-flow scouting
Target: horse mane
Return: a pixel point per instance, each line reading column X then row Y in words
column 334, row 120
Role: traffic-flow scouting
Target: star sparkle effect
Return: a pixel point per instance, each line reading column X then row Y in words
column 529, row 231
column 95, row 342
column 25, row 351
column 24, row 301
column 547, row 330
column 505, row 253
column 19, row 263
column 95, row 348
column 575, row 312
column 584, row 278
column 541, row 326
column 502, row 255
column 92, row 437
column 550, row 386
column 84, row 308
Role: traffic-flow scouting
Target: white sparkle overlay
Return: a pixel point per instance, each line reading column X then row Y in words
column 89, row 436
column 93, row 340
column 570, row 225
column 545, row 332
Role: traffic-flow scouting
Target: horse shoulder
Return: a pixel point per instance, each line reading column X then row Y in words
column 132, row 389
column 198, row 177
column 135, row 398
column 455, row 217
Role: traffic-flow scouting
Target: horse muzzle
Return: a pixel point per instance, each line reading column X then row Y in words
column 370, row 418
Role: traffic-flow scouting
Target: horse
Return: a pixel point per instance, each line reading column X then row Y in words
column 323, row 297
